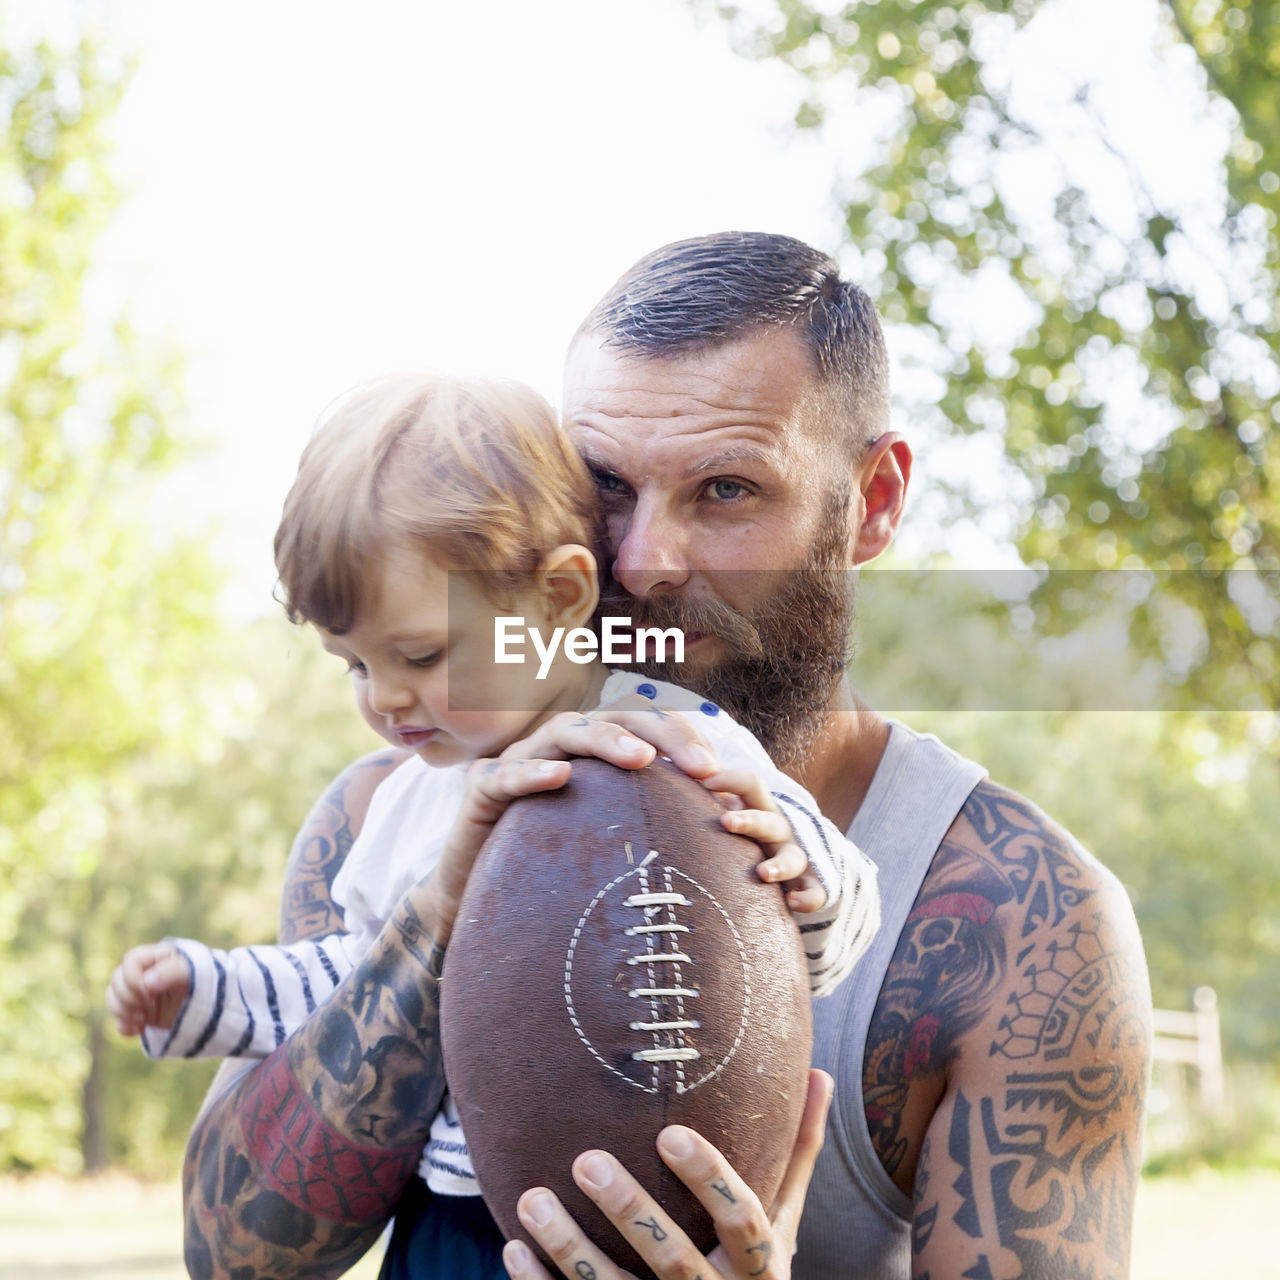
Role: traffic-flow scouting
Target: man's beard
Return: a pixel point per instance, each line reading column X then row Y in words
column 788, row 653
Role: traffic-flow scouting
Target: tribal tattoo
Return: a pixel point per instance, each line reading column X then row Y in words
column 1006, row 1062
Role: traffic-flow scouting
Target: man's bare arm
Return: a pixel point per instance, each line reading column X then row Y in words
column 1016, row 1012
column 307, row 909
column 293, row 1171
column 235, row 1224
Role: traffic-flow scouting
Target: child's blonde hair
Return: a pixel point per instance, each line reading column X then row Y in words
column 474, row 471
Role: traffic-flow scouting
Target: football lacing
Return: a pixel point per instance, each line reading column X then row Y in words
column 651, row 902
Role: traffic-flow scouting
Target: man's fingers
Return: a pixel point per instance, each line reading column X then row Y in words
column 789, row 1204
column 495, row 783
column 560, row 1238
column 628, row 733
column 491, row 786
column 669, row 732
column 747, row 1246
column 573, row 734
column 639, row 1219
column 520, row 1262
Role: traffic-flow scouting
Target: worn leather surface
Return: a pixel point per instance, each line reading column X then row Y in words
column 540, row 996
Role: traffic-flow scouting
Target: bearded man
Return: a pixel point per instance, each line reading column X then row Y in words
column 989, row 1054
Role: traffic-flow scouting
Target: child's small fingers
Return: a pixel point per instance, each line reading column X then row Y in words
column 169, row 973
column 125, row 1006
column 137, row 960
column 744, row 783
column 116, row 1005
column 760, row 825
column 803, row 901
column 787, row 863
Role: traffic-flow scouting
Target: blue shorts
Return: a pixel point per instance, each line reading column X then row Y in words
column 443, row 1238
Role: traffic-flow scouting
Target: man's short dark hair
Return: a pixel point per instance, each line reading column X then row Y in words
column 694, row 295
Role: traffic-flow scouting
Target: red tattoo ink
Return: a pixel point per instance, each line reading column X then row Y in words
column 309, row 1163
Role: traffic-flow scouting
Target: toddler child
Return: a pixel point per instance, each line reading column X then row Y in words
column 424, row 508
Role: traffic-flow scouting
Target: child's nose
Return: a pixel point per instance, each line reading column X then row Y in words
column 388, row 695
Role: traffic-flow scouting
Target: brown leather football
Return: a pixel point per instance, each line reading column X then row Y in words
column 618, row 966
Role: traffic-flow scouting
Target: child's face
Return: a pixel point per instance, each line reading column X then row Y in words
column 425, row 639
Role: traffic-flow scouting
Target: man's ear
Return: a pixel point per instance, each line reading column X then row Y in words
column 568, row 577
column 883, row 475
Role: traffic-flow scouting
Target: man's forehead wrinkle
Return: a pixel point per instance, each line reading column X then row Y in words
column 730, row 457
column 635, row 402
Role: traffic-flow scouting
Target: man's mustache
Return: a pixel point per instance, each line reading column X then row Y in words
column 705, row 615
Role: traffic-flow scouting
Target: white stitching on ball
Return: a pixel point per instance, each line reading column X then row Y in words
column 681, row 1052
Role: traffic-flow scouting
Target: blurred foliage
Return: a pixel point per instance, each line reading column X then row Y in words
column 106, row 651
column 129, row 717
column 1090, row 341
column 1180, row 805
column 154, row 761
column 204, row 849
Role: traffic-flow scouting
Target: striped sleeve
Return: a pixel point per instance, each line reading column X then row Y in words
column 246, row 1002
column 836, row 935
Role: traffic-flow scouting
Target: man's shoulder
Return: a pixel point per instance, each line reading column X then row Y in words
column 1045, row 925
column 352, row 790
column 1029, row 863
column 323, row 842
column 1018, row 957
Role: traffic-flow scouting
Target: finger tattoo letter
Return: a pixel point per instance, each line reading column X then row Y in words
column 765, row 1250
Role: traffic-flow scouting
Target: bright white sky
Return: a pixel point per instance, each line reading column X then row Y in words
column 324, row 190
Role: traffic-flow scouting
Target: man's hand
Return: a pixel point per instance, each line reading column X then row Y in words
column 491, row 787
column 628, row 733
column 631, row 732
column 753, row 1243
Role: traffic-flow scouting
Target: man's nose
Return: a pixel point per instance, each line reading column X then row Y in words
column 651, row 551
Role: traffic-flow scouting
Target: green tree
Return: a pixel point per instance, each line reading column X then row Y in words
column 107, row 627
column 1125, row 358
column 202, row 851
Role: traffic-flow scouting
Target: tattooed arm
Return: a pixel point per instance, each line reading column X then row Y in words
column 307, row 911
column 306, row 906
column 1006, row 1067
column 295, row 1169
column 320, row 848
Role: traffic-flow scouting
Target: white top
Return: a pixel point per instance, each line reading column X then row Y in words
column 247, row 1001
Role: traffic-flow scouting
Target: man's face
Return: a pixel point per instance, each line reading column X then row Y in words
column 726, row 516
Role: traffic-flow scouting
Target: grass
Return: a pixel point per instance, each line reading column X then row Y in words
column 1194, row 1225
column 109, row 1228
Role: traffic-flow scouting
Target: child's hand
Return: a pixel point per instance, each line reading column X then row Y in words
column 148, row 988
column 754, row 813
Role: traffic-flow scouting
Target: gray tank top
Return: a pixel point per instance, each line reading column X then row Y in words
column 857, row 1224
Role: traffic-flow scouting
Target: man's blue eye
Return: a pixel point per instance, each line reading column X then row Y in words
column 727, row 489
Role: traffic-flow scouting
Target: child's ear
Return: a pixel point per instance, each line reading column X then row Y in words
column 568, row 576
